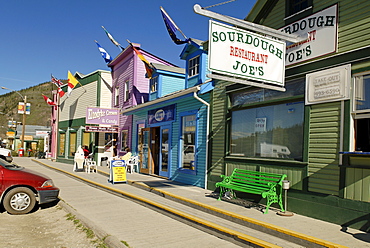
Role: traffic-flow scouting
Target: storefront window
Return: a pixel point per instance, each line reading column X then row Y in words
column 362, row 112
column 124, row 137
column 72, row 144
column 62, row 143
column 86, row 139
column 188, row 141
column 270, row 131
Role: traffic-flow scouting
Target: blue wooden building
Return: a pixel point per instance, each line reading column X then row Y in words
column 170, row 131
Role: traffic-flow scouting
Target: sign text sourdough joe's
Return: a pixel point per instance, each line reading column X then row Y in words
column 321, row 29
column 238, row 53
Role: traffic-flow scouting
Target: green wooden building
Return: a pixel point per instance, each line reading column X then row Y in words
column 317, row 131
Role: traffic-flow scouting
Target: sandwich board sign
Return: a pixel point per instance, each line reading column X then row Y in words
column 117, row 171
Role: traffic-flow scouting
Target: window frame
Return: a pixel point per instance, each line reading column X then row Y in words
column 116, row 99
column 124, row 142
column 153, row 84
column 357, row 115
column 181, row 142
column 126, row 95
column 297, row 97
column 194, row 67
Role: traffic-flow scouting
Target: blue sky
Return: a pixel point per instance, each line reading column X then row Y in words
column 41, row 37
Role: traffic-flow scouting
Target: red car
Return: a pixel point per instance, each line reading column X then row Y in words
column 21, row 188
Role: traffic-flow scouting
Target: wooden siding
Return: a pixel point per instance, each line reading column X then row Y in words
column 74, row 106
column 294, row 174
column 189, row 104
column 354, row 21
column 357, row 184
column 218, row 134
column 171, row 84
column 105, row 90
column 323, row 150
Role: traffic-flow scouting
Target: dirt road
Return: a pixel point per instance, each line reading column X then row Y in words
column 47, row 227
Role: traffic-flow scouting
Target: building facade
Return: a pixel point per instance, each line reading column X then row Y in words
column 93, row 90
column 170, row 130
column 316, row 131
column 130, row 87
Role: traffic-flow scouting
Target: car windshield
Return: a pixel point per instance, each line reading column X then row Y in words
column 7, row 164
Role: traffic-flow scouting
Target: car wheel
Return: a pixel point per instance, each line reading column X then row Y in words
column 19, row 200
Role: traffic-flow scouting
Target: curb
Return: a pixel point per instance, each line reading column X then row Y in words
column 111, row 241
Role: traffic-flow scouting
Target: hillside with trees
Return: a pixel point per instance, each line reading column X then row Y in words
column 40, row 111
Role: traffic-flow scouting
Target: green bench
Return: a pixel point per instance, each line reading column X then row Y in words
column 268, row 185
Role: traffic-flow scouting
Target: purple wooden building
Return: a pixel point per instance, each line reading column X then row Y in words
column 130, row 88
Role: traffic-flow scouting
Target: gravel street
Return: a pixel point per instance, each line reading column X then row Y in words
column 47, row 227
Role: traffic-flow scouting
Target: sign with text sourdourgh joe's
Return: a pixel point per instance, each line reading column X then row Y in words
column 239, row 53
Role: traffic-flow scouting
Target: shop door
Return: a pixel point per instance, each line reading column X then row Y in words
column 164, row 154
column 144, row 151
column 154, row 149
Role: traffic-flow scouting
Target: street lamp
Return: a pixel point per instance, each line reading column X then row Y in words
column 24, row 98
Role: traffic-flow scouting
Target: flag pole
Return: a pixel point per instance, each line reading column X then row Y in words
column 173, row 22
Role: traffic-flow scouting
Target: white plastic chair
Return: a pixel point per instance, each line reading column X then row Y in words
column 90, row 165
column 131, row 164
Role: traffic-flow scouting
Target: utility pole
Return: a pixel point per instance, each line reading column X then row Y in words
column 24, row 98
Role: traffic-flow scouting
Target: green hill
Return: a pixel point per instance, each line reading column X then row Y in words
column 40, row 110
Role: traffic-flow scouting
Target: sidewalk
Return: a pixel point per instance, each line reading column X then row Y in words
column 297, row 225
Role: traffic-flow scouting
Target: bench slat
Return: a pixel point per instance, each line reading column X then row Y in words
column 269, row 185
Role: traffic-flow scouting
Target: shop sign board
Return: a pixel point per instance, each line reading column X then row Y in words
column 117, row 171
column 101, row 129
column 162, row 114
column 328, row 85
column 10, row 134
column 104, row 116
column 321, row 28
column 239, row 53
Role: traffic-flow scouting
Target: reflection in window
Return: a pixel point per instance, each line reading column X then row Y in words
column 165, row 139
column 271, row 131
column 193, row 66
column 153, row 84
column 188, row 142
column 362, row 109
column 72, row 144
column 124, row 136
column 62, row 143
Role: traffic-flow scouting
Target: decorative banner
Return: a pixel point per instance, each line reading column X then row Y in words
column 101, row 129
column 105, row 116
column 163, row 114
column 239, row 53
column 328, row 85
column 21, row 108
column 117, row 171
column 321, row 28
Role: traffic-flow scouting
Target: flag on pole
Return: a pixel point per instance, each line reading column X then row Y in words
column 61, row 92
column 48, row 100
column 104, row 53
column 72, row 82
column 172, row 28
column 58, row 84
column 112, row 39
column 55, row 81
column 148, row 67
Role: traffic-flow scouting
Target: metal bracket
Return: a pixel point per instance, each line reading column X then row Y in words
column 248, row 25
